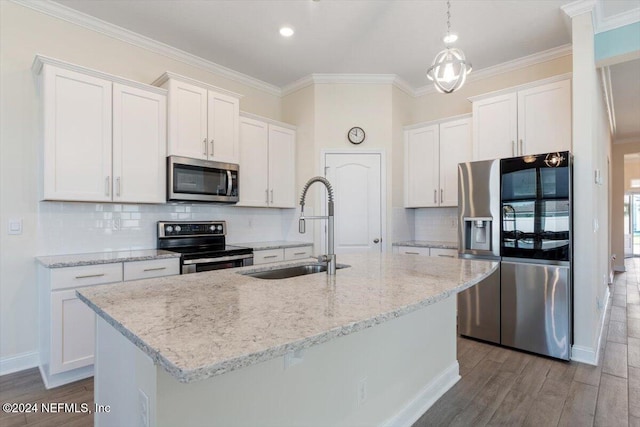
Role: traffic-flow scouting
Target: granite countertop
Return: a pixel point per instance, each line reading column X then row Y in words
column 75, row 260
column 278, row 244
column 427, row 244
column 200, row 325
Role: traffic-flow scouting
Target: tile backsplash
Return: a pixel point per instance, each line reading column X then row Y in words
column 72, row 227
column 436, row 224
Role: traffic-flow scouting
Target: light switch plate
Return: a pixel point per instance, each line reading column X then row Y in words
column 15, row 226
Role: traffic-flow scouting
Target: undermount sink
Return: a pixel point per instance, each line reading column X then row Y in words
column 293, row 271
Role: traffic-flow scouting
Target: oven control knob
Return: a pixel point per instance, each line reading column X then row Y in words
column 178, row 228
column 212, row 227
column 219, row 227
column 169, row 229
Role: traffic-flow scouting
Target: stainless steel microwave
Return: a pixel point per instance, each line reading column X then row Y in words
column 195, row 180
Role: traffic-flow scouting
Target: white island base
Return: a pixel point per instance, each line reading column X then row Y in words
column 388, row 374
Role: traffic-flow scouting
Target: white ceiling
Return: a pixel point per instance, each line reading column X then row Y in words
column 363, row 36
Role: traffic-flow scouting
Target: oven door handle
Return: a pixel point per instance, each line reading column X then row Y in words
column 229, row 183
column 218, row 259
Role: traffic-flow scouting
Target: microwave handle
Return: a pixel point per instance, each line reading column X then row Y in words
column 229, row 183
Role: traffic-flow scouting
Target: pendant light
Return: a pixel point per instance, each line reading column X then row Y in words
column 450, row 67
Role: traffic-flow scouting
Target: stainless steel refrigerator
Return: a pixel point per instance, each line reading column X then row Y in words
column 518, row 211
column 479, row 238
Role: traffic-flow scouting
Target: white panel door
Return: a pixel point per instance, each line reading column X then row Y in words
column 495, row 127
column 77, row 136
column 356, row 181
column 187, row 120
column 72, row 332
column 223, row 115
column 421, row 167
column 544, row 118
column 139, row 145
column 282, row 171
column 254, row 163
column 455, row 147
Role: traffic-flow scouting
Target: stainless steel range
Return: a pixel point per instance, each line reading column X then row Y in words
column 202, row 245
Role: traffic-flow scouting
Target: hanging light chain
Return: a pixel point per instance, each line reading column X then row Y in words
column 448, row 17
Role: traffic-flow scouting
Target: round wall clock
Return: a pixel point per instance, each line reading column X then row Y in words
column 356, row 135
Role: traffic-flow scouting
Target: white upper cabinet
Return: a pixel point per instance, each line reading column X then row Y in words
column 139, row 151
column 104, row 137
column 203, row 120
column 432, row 154
column 530, row 120
column 77, row 136
column 267, row 164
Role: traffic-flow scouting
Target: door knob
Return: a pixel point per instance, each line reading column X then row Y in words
column 376, row 240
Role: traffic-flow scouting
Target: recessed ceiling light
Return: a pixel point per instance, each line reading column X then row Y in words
column 286, row 31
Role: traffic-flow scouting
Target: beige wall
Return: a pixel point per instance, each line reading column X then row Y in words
column 23, row 33
column 618, row 172
column 631, row 170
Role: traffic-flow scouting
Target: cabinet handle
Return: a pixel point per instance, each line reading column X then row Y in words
column 441, row 195
column 271, row 195
column 271, row 256
column 155, row 269
column 446, row 256
column 299, row 253
column 521, row 148
column 106, row 186
column 211, row 154
column 89, row 275
column 435, row 196
column 266, row 196
column 513, row 148
column 412, row 253
column 204, row 147
column 118, row 186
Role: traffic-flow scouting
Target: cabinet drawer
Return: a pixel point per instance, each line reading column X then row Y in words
column 75, row 277
column 270, row 255
column 411, row 250
column 444, row 253
column 297, row 253
column 134, row 270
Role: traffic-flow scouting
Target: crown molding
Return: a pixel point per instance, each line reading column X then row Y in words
column 168, row 75
column 578, row 7
column 505, row 67
column 251, row 116
column 615, row 21
column 73, row 16
column 336, row 78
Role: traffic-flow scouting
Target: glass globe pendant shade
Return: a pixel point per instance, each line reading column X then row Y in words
column 449, row 70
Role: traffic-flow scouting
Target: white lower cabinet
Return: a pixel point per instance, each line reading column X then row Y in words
column 67, row 325
column 434, row 252
column 287, row 254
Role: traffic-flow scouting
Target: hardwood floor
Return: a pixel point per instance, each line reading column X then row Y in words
column 505, row 387
column 498, row 385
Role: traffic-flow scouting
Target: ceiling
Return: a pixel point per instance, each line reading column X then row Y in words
column 362, row 36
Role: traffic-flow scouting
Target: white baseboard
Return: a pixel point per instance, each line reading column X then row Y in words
column 619, row 268
column 19, row 362
column 425, row 398
column 590, row 355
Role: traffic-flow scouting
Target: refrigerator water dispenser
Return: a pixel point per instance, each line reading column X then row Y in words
column 478, row 233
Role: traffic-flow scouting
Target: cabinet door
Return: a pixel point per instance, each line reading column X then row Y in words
column 77, row 136
column 282, row 158
column 187, row 120
column 224, row 112
column 544, row 118
column 455, row 147
column 495, row 127
column 139, row 145
column 421, row 167
column 254, row 163
column 72, row 332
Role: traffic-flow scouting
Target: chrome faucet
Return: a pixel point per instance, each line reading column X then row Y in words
column 329, row 258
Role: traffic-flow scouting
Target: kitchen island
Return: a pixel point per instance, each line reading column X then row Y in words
column 375, row 344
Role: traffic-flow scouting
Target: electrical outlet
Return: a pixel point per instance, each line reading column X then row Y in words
column 143, row 405
column 293, row 358
column 362, row 391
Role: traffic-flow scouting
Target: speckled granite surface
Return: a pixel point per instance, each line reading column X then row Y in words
column 75, row 260
column 279, row 244
column 200, row 325
column 427, row 244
